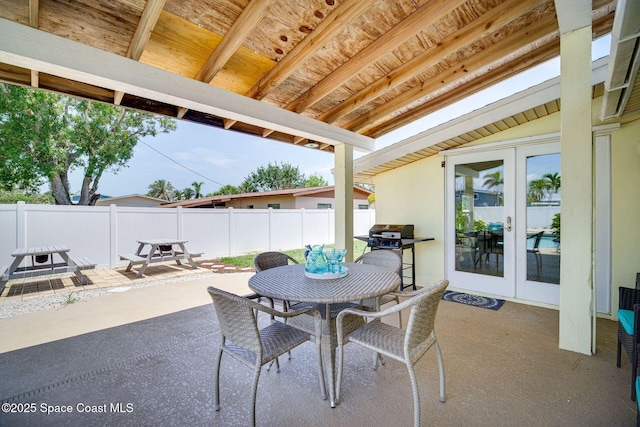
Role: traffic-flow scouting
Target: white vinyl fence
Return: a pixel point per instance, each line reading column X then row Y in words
column 100, row 233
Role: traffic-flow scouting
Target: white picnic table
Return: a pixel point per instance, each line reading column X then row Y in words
column 47, row 267
column 160, row 250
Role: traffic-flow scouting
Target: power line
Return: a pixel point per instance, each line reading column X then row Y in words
column 181, row 165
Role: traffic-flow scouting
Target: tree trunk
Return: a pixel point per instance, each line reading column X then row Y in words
column 59, row 190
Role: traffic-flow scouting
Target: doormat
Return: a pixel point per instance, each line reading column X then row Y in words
column 475, row 300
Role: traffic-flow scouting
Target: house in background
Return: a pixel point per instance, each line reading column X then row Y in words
column 132, row 200
column 294, row 198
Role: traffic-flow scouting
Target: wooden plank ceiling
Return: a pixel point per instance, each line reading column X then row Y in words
column 531, row 114
column 369, row 66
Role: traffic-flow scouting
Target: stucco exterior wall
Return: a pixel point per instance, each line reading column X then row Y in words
column 289, row 202
column 138, row 202
column 312, row 202
column 625, row 192
column 414, row 194
column 263, row 202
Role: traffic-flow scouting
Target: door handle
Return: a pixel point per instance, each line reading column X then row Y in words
column 508, row 227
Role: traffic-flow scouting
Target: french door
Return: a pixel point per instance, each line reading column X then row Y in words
column 501, row 212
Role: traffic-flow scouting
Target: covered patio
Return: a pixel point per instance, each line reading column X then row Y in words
column 151, row 349
column 334, row 76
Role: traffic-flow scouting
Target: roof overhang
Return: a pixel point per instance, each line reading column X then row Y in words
column 25, row 47
column 622, row 88
column 530, row 104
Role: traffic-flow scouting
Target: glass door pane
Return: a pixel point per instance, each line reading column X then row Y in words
column 479, row 214
column 543, row 218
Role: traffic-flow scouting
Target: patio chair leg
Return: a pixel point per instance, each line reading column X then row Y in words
column 339, row 373
column 254, row 392
column 416, row 395
column 618, row 354
column 277, row 364
column 441, row 369
column 216, row 385
column 634, row 374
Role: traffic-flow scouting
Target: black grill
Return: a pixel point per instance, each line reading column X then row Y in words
column 388, row 236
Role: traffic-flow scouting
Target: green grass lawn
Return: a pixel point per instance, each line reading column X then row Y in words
column 297, row 254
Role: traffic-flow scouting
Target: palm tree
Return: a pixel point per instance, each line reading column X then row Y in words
column 537, row 188
column 161, row 189
column 553, row 181
column 492, row 180
column 197, row 187
column 187, row 193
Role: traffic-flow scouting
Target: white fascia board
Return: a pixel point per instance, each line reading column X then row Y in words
column 26, row 47
column 499, row 110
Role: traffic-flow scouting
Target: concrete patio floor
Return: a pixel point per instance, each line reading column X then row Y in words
column 148, row 351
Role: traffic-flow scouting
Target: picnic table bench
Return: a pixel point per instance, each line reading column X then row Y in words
column 43, row 263
column 160, row 250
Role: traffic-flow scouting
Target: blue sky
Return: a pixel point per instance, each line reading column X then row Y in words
column 221, row 157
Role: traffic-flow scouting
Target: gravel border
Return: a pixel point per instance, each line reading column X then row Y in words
column 44, row 302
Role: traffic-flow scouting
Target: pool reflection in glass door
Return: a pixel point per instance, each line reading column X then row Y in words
column 543, row 218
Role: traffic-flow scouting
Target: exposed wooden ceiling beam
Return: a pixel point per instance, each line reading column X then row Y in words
column 602, row 14
column 228, row 123
column 181, row 112
column 32, row 49
column 329, row 28
column 452, row 78
column 494, row 76
column 426, row 15
column 488, row 23
column 34, row 13
column 237, row 34
column 148, row 21
column 267, row 132
column 34, row 18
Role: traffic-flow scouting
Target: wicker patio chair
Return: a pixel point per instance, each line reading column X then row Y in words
column 384, row 258
column 242, row 340
column 629, row 330
column 267, row 260
column 405, row 346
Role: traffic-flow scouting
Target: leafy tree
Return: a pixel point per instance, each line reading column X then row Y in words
column 315, row 181
column 12, row 197
column 273, row 177
column 44, row 136
column 197, row 188
column 226, row 190
column 537, row 189
column 177, row 195
column 188, row 193
column 554, row 182
column 494, row 180
column 162, row 189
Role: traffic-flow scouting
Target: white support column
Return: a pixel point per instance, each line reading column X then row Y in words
column 179, row 223
column 113, row 236
column 576, row 325
column 343, row 177
column 21, row 225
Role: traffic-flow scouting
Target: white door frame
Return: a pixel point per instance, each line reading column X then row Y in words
column 480, row 283
column 548, row 293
